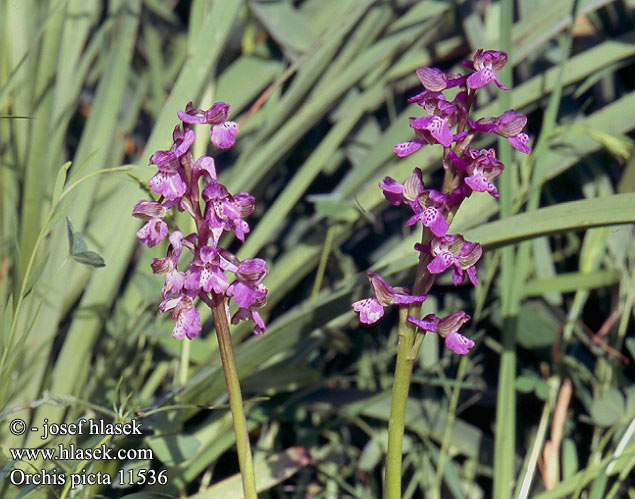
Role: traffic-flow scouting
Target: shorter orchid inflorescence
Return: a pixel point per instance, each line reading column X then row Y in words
column 192, row 186
column 466, row 170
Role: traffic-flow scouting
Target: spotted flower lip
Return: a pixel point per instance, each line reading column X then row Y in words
column 480, row 168
column 509, row 125
column 429, row 210
column 447, row 328
column 370, row 310
column 486, row 64
column 453, row 251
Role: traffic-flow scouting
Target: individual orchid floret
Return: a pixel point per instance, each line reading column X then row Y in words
column 447, row 328
column 428, row 205
column 435, row 103
column 435, row 129
column 436, row 80
column 248, row 288
column 479, row 169
column 188, row 320
column 409, row 191
column 429, row 210
column 250, row 314
column 222, row 132
column 174, row 279
column 205, row 272
column 371, row 310
column 226, row 212
column 453, row 251
column 509, row 125
column 153, row 232
column 486, row 64
column 169, row 181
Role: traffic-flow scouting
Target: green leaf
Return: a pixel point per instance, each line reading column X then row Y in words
column 60, row 180
column 526, row 383
column 174, row 449
column 611, row 210
column 76, row 243
column 78, row 249
column 608, row 408
column 89, row 258
column 372, row 454
column 569, row 458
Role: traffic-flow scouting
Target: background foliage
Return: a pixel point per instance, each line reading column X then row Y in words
column 319, row 88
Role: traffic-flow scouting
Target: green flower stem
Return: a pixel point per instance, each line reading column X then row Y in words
column 400, row 389
column 228, row 360
column 184, row 362
column 407, row 350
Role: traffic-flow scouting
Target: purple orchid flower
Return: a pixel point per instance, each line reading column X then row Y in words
column 447, row 328
column 453, row 251
column 153, row 232
column 214, row 210
column 428, row 205
column 249, row 293
column 222, row 132
column 188, row 320
column 371, row 310
column 174, row 279
column 436, row 80
column 479, row 169
column 226, row 212
column 205, row 272
column 486, row 64
column 168, row 181
column 509, row 125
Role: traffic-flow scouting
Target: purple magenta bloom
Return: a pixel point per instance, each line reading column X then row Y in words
column 393, row 190
column 188, row 320
column 447, row 328
column 153, row 232
column 428, row 205
column 248, row 291
column 371, row 310
column 205, row 272
column 435, row 128
column 246, row 314
column 188, row 324
column 509, row 125
column 429, row 211
column 456, row 252
column 167, row 181
column 479, row 167
column 436, row 80
column 222, row 132
column 486, row 64
column 214, row 210
column 225, row 212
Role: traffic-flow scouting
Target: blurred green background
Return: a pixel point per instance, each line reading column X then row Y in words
column 544, row 405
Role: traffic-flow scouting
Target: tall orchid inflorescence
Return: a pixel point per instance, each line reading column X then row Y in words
column 193, row 186
column 466, row 170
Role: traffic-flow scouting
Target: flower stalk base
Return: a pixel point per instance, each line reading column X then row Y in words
column 230, row 370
